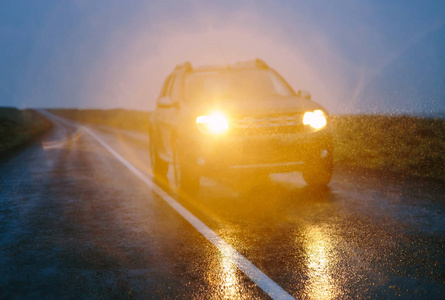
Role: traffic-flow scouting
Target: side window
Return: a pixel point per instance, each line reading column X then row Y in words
column 176, row 88
column 170, row 85
column 165, row 86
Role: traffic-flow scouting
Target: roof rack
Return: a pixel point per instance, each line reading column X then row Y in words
column 187, row 66
column 248, row 64
column 255, row 63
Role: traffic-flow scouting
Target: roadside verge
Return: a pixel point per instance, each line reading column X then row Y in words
column 18, row 127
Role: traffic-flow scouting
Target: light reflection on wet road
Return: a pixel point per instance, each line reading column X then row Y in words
column 74, row 221
column 318, row 250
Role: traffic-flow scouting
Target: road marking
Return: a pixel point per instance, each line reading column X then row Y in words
column 255, row 274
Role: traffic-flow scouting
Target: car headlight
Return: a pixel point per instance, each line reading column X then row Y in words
column 215, row 123
column 316, row 119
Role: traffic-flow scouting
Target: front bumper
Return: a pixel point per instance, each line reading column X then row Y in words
column 272, row 153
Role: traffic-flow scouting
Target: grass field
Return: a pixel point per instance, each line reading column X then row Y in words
column 17, row 127
column 392, row 144
column 402, row 145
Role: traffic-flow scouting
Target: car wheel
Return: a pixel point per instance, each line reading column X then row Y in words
column 185, row 175
column 318, row 173
column 158, row 165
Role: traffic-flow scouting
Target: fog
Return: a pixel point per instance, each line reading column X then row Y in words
column 352, row 57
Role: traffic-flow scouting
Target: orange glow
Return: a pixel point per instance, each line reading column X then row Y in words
column 315, row 119
column 318, row 248
column 135, row 69
column 215, row 123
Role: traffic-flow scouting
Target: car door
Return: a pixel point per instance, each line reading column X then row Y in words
column 166, row 120
column 159, row 118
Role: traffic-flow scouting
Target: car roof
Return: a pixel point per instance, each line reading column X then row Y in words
column 250, row 64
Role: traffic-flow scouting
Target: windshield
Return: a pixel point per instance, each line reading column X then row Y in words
column 240, row 85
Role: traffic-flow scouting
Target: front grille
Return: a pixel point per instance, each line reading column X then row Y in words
column 268, row 124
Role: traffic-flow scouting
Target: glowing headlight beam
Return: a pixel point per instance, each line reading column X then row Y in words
column 315, row 119
column 215, row 123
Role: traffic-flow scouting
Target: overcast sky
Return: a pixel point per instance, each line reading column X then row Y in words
column 353, row 56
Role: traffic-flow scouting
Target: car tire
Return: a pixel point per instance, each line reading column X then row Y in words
column 186, row 176
column 318, row 172
column 158, row 165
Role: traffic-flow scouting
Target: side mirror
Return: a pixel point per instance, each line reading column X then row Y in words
column 166, row 102
column 304, row 94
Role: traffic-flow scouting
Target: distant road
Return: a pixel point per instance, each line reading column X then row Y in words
column 80, row 217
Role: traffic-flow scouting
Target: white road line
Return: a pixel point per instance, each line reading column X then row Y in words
column 255, row 274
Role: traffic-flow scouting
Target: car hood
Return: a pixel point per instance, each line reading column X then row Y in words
column 270, row 105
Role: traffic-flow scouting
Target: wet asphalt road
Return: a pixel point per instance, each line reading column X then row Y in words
column 76, row 223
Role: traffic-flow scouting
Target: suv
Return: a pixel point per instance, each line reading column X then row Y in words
column 237, row 118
